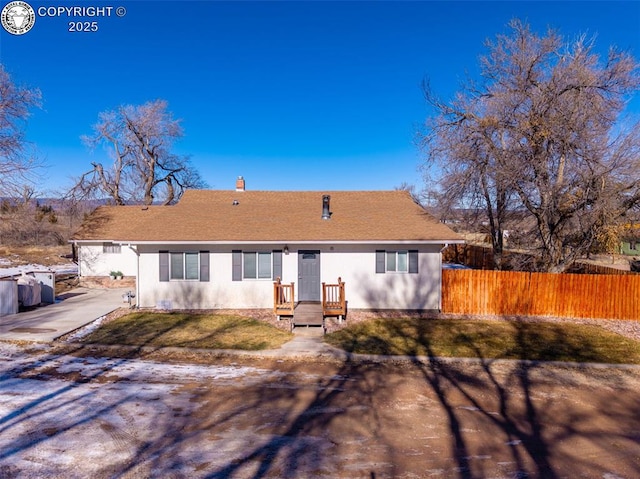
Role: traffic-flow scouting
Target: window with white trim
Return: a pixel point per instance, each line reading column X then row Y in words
column 184, row 266
column 256, row 264
column 397, row 262
column 111, row 248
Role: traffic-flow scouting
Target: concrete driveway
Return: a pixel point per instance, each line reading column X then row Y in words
column 71, row 311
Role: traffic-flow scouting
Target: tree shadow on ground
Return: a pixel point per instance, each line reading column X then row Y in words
column 422, row 415
column 524, row 409
column 357, row 418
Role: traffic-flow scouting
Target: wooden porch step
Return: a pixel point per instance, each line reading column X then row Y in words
column 308, row 314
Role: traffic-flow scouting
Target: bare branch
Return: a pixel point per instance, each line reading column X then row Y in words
column 540, row 138
column 140, row 138
column 17, row 163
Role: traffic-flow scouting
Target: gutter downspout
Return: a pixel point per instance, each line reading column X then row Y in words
column 135, row 250
column 446, row 245
column 78, row 262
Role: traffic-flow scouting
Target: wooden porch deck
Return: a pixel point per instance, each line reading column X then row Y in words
column 309, row 313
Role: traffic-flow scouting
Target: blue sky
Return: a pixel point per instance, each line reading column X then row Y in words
column 291, row 95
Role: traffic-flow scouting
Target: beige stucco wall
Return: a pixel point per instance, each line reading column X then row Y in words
column 219, row 292
column 355, row 264
column 366, row 289
column 93, row 262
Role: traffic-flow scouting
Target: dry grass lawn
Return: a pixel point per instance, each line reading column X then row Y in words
column 540, row 341
column 188, row 330
column 528, row 340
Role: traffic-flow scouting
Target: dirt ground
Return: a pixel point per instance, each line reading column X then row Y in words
column 42, row 255
column 200, row 416
column 77, row 414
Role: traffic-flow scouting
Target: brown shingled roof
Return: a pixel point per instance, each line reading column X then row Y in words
column 116, row 223
column 205, row 215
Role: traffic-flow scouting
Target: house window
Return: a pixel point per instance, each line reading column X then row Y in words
column 184, row 266
column 177, row 266
column 397, row 261
column 256, row 265
column 111, row 248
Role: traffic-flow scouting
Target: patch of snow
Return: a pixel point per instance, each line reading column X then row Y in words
column 9, row 350
column 29, row 268
column 151, row 371
column 64, row 268
column 86, row 330
column 60, row 428
column 13, row 357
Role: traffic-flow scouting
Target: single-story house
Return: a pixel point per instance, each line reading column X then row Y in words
column 229, row 249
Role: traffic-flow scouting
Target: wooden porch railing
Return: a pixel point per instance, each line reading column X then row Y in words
column 333, row 299
column 283, row 298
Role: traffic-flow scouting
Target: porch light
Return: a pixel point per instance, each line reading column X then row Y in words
column 286, row 249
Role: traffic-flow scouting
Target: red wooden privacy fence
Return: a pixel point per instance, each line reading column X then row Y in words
column 486, row 292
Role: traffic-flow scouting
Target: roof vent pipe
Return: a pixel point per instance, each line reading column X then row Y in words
column 326, row 214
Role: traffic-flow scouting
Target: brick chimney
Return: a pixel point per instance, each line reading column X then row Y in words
column 240, row 184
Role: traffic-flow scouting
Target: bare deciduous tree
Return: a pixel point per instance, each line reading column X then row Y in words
column 16, row 162
column 140, row 138
column 411, row 189
column 541, row 137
